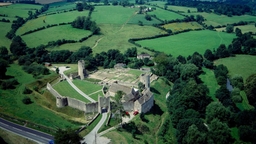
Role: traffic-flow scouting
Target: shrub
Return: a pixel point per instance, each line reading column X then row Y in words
column 26, row 100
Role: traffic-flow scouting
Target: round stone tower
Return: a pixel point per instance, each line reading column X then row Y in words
column 145, row 79
column 61, row 102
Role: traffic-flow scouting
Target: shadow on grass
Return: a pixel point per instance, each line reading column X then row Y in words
column 154, row 90
column 155, row 110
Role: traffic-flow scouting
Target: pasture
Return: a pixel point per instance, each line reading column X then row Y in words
column 114, row 37
column 112, row 14
column 244, row 28
column 179, row 9
column 65, row 89
column 47, row 1
column 176, row 27
column 4, row 28
column 60, row 7
column 54, row 33
column 11, row 102
column 18, row 10
column 165, row 15
column 216, row 20
column 49, row 20
column 141, row 17
column 189, row 42
column 243, row 65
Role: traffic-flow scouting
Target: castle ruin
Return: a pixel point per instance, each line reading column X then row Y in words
column 81, row 69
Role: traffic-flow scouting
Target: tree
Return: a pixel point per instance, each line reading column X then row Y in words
column 194, row 136
column 216, row 110
column 140, row 23
column 18, row 46
column 3, row 68
column 250, row 89
column 238, row 82
column 68, row 136
column 26, row 100
column 235, row 96
column 141, row 86
column 79, row 6
column 235, row 47
column 229, row 28
column 209, row 55
column 148, row 17
column 238, row 32
column 57, row 70
column 222, row 51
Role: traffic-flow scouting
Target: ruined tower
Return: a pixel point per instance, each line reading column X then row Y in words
column 81, row 69
column 145, row 79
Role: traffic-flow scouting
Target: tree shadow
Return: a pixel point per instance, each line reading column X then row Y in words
column 8, row 77
column 154, row 90
column 155, row 110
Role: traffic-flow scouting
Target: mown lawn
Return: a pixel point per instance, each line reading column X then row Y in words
column 49, row 20
column 189, row 42
column 215, row 20
column 12, row 105
column 4, row 28
column 165, row 15
column 53, row 34
column 65, row 89
column 112, row 14
column 175, row 27
column 243, row 65
column 87, row 87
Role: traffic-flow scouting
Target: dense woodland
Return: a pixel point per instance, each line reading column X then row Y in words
column 192, row 112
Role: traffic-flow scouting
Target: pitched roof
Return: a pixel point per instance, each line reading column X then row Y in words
column 147, row 94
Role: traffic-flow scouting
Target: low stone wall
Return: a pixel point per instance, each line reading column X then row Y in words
column 53, row 91
column 77, row 104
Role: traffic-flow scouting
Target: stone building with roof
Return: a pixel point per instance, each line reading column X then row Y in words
column 133, row 100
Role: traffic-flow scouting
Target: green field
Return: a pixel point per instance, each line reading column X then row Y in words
column 114, row 37
column 180, row 9
column 165, row 15
column 18, row 9
column 54, row 33
column 112, row 14
column 50, row 19
column 243, row 65
column 141, row 17
column 65, row 89
column 215, row 20
column 87, row 87
column 209, row 79
column 187, row 43
column 59, row 7
column 175, row 27
column 11, row 103
column 244, row 29
column 4, row 28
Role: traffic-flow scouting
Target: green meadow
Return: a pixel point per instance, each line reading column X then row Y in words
column 215, row 20
column 114, row 37
column 11, row 102
column 60, row 7
column 49, row 20
column 4, row 28
column 141, row 17
column 64, row 89
column 187, row 43
column 18, row 10
column 112, row 14
column 175, row 27
column 165, row 15
column 54, row 33
column 243, row 65
column 87, row 87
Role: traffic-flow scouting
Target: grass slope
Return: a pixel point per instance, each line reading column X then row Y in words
column 141, row 17
column 19, row 9
column 54, row 33
column 12, row 138
column 87, row 87
column 4, row 28
column 180, row 9
column 65, row 89
column 215, row 20
column 175, row 27
column 11, row 103
column 243, row 65
column 50, row 19
column 112, row 14
column 165, row 15
column 187, row 43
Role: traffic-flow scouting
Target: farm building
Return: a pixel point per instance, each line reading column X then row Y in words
column 142, row 56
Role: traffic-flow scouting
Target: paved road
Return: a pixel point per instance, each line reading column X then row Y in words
column 76, row 88
column 34, row 135
column 90, row 138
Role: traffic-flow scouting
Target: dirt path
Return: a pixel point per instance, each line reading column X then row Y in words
column 96, row 43
column 221, row 39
